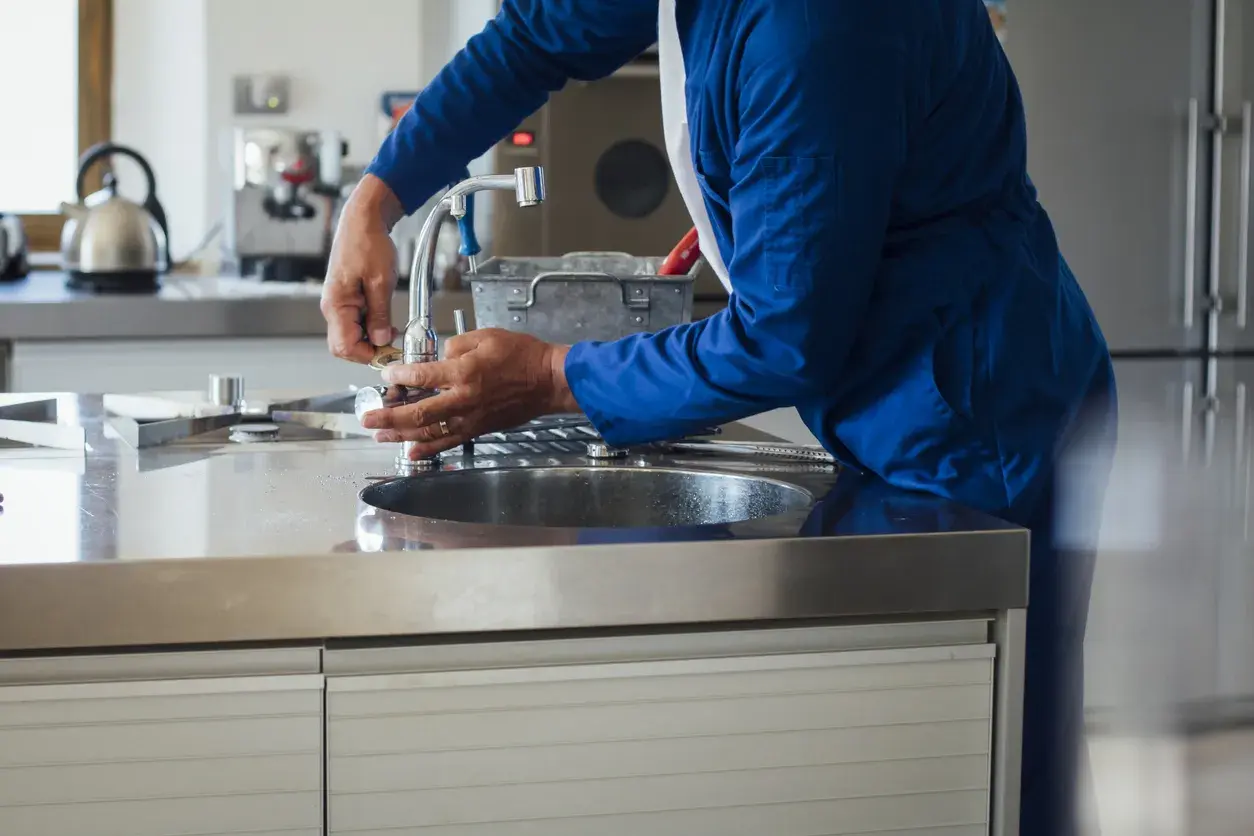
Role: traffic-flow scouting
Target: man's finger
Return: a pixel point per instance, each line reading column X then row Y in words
column 428, row 440
column 427, row 412
column 379, row 311
column 344, row 336
column 462, row 344
column 426, row 449
column 438, row 375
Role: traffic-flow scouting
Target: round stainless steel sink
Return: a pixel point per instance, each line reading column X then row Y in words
column 588, row 497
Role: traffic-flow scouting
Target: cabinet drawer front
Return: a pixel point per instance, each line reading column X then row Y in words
column 814, row 743
column 163, row 758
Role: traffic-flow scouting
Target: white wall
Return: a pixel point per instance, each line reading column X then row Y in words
column 159, row 106
column 176, row 59
column 340, row 54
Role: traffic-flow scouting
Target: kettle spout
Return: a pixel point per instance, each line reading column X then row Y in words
column 74, row 210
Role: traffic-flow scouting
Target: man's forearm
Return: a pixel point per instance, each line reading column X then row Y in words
column 373, row 201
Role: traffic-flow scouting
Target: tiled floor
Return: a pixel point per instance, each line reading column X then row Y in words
column 1201, row 785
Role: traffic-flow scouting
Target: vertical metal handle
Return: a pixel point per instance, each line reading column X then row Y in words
column 1186, row 422
column 1243, row 233
column 1242, row 475
column 1190, row 213
column 1241, row 400
column 1210, row 423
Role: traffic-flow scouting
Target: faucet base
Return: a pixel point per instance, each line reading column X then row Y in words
column 406, row 466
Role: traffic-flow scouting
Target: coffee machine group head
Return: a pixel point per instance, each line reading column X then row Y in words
column 287, row 187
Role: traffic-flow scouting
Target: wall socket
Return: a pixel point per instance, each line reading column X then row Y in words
column 256, row 94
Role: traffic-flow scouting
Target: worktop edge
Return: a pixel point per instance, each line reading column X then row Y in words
column 243, row 600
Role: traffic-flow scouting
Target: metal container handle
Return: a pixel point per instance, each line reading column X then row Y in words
column 1190, row 214
column 634, row 304
column 598, row 254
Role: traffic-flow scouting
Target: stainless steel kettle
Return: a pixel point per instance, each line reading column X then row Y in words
column 110, row 243
column 14, row 250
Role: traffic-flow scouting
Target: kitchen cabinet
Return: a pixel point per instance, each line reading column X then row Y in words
column 1232, row 431
column 129, row 366
column 1119, row 148
column 154, row 757
column 664, row 734
column 837, row 729
column 1176, row 538
column 1141, row 144
column 1145, row 564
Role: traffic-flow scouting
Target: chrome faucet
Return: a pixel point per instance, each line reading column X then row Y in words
column 421, row 345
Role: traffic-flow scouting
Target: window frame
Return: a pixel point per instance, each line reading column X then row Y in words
column 95, row 108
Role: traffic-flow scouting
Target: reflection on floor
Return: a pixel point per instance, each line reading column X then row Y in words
column 1195, row 785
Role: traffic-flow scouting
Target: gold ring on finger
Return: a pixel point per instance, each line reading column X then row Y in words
column 444, row 428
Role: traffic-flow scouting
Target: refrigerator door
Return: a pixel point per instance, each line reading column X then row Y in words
column 1234, row 87
column 1119, row 150
column 1143, row 567
column 1232, row 442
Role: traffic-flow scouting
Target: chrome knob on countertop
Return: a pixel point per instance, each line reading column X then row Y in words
column 226, row 390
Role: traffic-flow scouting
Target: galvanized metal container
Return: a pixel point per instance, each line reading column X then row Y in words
column 580, row 296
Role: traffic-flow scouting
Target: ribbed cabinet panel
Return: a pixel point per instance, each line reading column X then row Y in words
column 808, row 744
column 205, row 757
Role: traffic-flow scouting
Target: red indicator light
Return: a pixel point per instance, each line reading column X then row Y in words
column 523, row 139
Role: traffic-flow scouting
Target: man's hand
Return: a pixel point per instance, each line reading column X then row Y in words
column 357, row 294
column 490, row 380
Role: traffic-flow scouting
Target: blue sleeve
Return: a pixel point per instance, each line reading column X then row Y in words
column 504, row 74
column 821, row 140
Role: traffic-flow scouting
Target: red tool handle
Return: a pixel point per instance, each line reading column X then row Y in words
column 683, row 257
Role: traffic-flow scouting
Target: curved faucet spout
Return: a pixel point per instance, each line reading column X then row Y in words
column 529, row 190
column 421, row 345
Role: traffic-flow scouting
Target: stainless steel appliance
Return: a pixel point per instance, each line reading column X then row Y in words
column 601, row 145
column 14, row 249
column 286, row 191
column 1140, row 137
column 109, row 243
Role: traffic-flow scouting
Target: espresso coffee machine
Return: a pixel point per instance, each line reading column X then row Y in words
column 286, row 192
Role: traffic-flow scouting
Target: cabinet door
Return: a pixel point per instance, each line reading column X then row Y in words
column 1145, row 564
column 791, row 744
column 167, row 758
column 1234, row 220
column 1233, row 444
column 1117, row 96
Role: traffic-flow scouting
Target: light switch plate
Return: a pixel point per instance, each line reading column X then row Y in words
column 256, row 94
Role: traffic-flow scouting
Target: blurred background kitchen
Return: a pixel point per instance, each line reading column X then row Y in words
column 242, row 123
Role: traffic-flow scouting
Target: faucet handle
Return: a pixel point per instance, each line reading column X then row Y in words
column 466, row 226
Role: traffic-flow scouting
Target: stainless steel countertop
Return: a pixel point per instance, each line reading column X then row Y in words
column 41, row 307
column 216, row 542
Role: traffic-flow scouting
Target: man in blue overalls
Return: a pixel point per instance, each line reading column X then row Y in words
column 857, row 174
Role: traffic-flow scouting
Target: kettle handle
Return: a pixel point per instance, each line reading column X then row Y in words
column 103, row 150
